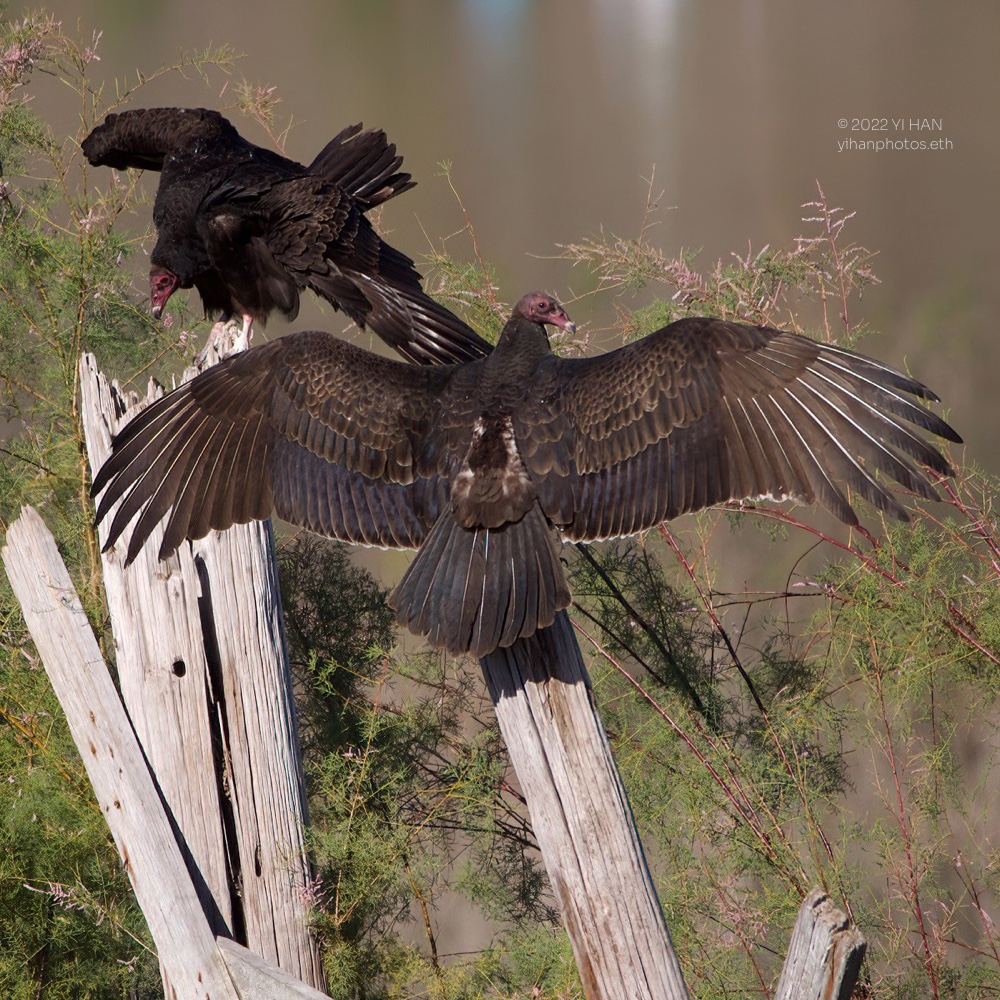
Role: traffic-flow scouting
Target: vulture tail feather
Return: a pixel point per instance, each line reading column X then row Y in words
column 364, row 164
column 471, row 590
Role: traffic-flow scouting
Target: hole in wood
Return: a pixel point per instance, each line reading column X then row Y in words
column 179, row 667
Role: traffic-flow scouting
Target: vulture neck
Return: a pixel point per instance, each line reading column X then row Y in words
column 523, row 338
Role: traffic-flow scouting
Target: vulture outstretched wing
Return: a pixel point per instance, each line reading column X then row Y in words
column 325, row 433
column 704, row 411
column 476, row 463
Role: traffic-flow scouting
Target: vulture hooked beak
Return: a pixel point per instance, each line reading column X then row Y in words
column 162, row 284
column 559, row 317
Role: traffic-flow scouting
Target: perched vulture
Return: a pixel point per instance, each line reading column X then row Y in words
column 480, row 465
column 251, row 229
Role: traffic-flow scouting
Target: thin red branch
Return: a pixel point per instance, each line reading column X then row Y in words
column 975, row 519
column 470, row 229
column 741, row 809
column 907, row 842
column 779, row 515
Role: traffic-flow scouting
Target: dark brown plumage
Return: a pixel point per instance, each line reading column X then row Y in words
column 250, row 229
column 475, row 464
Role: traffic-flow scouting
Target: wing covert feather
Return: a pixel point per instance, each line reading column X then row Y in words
column 704, row 411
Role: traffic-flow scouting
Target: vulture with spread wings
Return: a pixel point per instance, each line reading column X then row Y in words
column 482, row 465
column 250, row 229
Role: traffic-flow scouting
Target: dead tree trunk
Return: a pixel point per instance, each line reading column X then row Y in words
column 196, row 963
column 581, row 817
column 204, row 676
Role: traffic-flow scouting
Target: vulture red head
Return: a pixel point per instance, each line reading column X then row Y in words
column 162, row 284
column 541, row 308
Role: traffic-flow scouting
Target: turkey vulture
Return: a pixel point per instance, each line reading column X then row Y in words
column 476, row 464
column 251, row 229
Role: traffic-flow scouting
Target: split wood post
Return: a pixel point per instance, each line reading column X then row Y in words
column 581, row 817
column 125, row 789
column 204, row 675
column 825, row 953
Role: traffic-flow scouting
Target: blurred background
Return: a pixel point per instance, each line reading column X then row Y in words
column 559, row 117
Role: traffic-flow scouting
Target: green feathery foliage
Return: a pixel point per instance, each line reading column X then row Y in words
column 840, row 730
column 69, row 925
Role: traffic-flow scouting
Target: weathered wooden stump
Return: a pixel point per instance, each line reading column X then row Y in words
column 581, row 817
column 204, row 675
column 824, row 955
